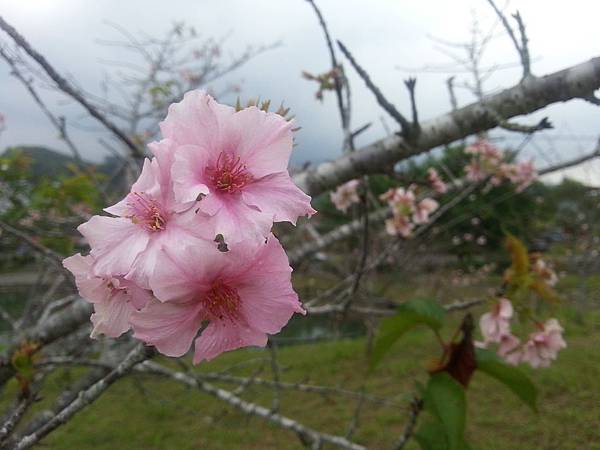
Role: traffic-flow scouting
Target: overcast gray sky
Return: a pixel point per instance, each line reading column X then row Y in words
column 382, row 34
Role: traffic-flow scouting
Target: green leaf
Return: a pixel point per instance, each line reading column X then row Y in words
column 519, row 255
column 431, row 436
column 23, row 365
column 410, row 314
column 445, row 398
column 519, row 383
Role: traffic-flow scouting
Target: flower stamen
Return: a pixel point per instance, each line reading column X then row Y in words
column 229, row 174
column 146, row 212
column 222, row 302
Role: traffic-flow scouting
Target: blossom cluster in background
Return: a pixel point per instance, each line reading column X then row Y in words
column 488, row 161
column 345, row 195
column 407, row 211
column 540, row 348
column 190, row 248
column 436, row 182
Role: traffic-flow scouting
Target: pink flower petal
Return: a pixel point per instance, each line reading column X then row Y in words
column 111, row 318
column 219, row 337
column 184, row 272
column 91, row 287
column 237, row 221
column 262, row 140
column 188, row 173
column 115, row 243
column 269, row 300
column 505, row 309
column 195, row 120
column 146, row 183
column 277, row 195
column 170, row 327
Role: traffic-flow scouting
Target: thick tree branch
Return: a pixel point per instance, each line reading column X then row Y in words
column 55, row 327
column 87, row 397
column 306, row 434
column 526, row 97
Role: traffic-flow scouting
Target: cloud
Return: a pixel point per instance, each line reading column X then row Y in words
column 382, row 34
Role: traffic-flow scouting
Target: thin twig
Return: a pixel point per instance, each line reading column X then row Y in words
column 307, row 435
column 48, row 253
column 522, row 48
column 416, row 406
column 383, row 102
column 87, row 397
column 68, row 89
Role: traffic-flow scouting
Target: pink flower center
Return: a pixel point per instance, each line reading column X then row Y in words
column 228, row 174
column 146, row 212
column 222, row 302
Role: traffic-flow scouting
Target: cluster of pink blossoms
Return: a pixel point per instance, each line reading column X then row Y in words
column 540, row 349
column 488, row 161
column 407, row 211
column 436, row 182
column 345, row 195
column 190, row 248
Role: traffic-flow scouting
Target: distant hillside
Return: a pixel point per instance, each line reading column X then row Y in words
column 48, row 162
column 45, row 161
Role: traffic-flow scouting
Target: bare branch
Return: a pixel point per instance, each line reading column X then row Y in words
column 522, row 47
column 524, row 98
column 68, row 89
column 416, row 406
column 344, row 113
column 573, row 162
column 411, row 83
column 306, row 434
column 383, row 102
column 87, row 397
column 48, row 253
column 450, row 84
column 54, row 327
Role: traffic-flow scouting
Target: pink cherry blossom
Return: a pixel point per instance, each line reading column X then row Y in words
column 146, row 219
column 521, row 174
column 485, row 150
column 345, row 195
column 402, row 201
column 474, row 171
column 423, row 209
column 241, row 295
column 508, row 349
column 496, row 323
column 399, row 226
column 543, row 346
column 114, row 298
column 437, row 184
column 232, row 166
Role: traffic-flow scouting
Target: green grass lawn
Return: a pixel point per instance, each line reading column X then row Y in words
column 148, row 413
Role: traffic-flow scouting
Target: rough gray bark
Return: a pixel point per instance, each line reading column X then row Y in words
column 309, row 436
column 526, row 97
column 85, row 398
column 57, row 326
